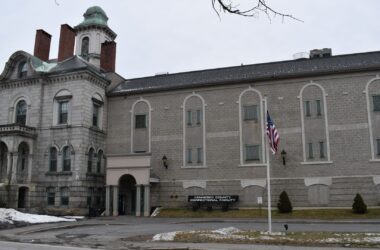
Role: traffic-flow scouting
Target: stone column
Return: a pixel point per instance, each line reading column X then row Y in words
column 30, row 166
column 115, row 201
column 138, row 200
column 9, row 167
column 146, row 200
column 14, row 168
column 108, row 200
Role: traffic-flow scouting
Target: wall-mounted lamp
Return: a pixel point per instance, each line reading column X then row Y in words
column 165, row 161
column 283, row 155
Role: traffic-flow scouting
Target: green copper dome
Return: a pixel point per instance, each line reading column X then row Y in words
column 94, row 16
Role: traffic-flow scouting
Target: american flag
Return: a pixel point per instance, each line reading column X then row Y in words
column 272, row 133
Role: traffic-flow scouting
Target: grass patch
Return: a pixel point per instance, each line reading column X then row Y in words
column 322, row 214
column 368, row 240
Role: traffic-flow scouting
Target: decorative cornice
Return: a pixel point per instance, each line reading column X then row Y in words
column 17, row 83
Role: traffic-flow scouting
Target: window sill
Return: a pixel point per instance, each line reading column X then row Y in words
column 194, row 167
column 253, row 165
column 374, row 160
column 58, row 173
column 97, row 129
column 61, row 126
column 95, row 174
column 316, row 162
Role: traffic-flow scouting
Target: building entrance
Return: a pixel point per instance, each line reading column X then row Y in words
column 127, row 195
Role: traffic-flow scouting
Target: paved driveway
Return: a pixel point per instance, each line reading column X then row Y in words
column 115, row 232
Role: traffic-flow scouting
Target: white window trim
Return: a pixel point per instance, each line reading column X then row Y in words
column 13, row 109
column 63, row 98
column 132, row 111
column 369, row 114
column 304, row 144
column 184, row 126
column 261, row 115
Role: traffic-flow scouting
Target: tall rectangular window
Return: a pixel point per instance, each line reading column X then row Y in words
column 199, row 116
column 250, row 112
column 376, row 102
column 140, row 121
column 307, row 108
column 378, row 146
column 188, row 117
column 90, row 194
column 95, row 115
column 64, row 196
column 199, row 155
column 63, row 112
column 189, row 155
column 50, row 191
column 252, row 152
column 53, row 159
column 321, row 149
column 319, row 109
column 310, row 155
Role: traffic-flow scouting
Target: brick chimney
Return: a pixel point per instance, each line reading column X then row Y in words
column 108, row 56
column 42, row 45
column 66, row 42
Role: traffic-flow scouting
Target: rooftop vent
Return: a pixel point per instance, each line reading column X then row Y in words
column 301, row 55
column 161, row 73
column 319, row 53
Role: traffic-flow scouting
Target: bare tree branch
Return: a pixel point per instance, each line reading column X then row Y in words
column 260, row 7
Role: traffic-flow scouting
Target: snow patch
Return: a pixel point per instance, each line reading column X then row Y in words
column 226, row 231
column 11, row 215
column 165, row 236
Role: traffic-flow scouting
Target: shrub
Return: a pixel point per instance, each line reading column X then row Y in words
column 359, row 206
column 284, row 205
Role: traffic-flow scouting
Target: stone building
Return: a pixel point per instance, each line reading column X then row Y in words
column 76, row 135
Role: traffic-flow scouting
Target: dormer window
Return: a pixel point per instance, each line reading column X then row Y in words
column 84, row 48
column 22, row 70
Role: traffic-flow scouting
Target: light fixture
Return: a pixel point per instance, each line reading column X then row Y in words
column 283, row 155
column 165, row 161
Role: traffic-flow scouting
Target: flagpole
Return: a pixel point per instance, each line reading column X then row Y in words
column 268, row 173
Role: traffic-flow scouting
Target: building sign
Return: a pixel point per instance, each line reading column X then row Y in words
column 213, row 198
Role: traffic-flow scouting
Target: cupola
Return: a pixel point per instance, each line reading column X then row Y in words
column 91, row 34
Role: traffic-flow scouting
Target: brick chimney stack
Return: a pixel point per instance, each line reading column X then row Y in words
column 108, row 56
column 42, row 45
column 66, row 42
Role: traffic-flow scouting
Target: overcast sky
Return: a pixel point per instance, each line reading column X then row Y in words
column 184, row 35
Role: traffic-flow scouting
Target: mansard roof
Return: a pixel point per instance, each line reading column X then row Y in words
column 74, row 63
column 252, row 73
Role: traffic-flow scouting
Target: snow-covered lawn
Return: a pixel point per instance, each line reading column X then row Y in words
column 8, row 215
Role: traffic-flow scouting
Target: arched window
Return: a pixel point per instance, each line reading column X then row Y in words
column 53, row 159
column 84, row 48
column 97, row 111
column 90, row 160
column 194, row 130
column 22, row 70
column 99, row 164
column 62, row 108
column 21, row 109
column 66, row 157
column 141, row 126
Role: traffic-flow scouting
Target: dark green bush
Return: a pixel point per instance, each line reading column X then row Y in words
column 359, row 206
column 284, row 205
